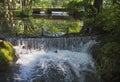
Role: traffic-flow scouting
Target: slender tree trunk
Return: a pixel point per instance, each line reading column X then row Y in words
column 30, row 4
column 114, row 1
column 8, row 2
column 13, row 4
column 98, row 5
column 23, row 4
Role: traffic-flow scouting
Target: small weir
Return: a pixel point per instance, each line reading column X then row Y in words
column 55, row 60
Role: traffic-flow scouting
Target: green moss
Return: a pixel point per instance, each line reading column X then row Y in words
column 7, row 53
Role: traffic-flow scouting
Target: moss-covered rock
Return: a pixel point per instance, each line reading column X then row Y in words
column 7, row 54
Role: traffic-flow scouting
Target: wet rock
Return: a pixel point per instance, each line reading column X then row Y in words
column 7, row 55
column 56, row 51
column 55, row 74
column 90, row 76
column 2, row 37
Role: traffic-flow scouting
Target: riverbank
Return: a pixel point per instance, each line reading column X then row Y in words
column 106, row 55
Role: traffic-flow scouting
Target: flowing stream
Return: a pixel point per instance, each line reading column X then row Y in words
column 55, row 60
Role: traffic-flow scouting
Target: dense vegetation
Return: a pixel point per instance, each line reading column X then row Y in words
column 101, row 17
column 107, row 22
column 29, row 27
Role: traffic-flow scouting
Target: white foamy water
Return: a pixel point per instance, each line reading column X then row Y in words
column 54, row 65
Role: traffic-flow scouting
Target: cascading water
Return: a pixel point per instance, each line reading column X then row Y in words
column 55, row 60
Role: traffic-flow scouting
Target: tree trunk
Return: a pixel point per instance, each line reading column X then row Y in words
column 114, row 1
column 98, row 5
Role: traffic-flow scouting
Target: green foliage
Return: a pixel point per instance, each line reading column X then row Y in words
column 107, row 23
column 50, row 3
column 107, row 61
column 33, row 27
column 81, row 8
column 110, row 47
column 111, row 19
column 75, row 7
column 17, row 13
column 57, row 26
column 27, row 12
column 75, row 27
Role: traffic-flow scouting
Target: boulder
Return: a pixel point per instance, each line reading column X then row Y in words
column 2, row 37
column 7, row 54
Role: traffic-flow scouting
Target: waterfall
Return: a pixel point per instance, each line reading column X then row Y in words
column 55, row 60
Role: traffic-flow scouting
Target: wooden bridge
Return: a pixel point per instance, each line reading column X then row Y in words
column 48, row 10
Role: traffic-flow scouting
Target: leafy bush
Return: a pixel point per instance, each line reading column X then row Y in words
column 17, row 13
column 75, row 8
column 27, row 12
column 110, row 47
column 108, row 23
column 108, row 20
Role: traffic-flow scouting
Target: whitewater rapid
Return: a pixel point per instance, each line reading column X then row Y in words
column 55, row 65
